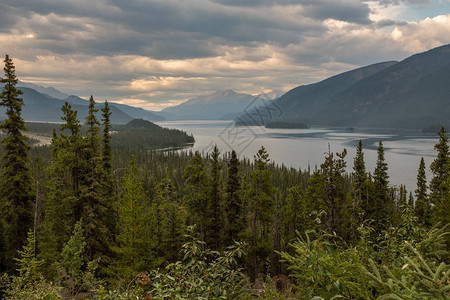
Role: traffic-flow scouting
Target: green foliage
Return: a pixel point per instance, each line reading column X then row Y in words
column 416, row 279
column 203, row 274
column 439, row 166
column 334, row 194
column 169, row 219
column 261, row 206
column 141, row 135
column 320, row 267
column 196, row 194
column 133, row 237
column 16, row 185
column 233, row 204
column 381, row 204
column 29, row 284
column 73, row 252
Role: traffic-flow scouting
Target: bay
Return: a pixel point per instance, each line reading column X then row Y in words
column 306, row 148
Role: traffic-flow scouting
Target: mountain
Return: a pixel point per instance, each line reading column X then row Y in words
column 52, row 92
column 415, row 93
column 42, row 107
column 302, row 103
column 221, row 105
column 131, row 111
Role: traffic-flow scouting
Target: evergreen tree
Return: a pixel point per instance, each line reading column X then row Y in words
column 108, row 180
column 423, row 205
column 62, row 203
column 382, row 204
column 107, row 150
column 216, row 221
column 261, row 209
column 72, row 256
column 93, row 203
column 233, row 206
column 439, row 183
column 172, row 219
column 334, row 194
column 296, row 213
column 16, row 185
column 134, row 233
column 29, row 265
column 196, row 193
column 439, row 166
column 359, row 187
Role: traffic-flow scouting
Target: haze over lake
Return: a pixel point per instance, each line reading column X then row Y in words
column 299, row 148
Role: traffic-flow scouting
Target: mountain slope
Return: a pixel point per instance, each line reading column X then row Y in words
column 414, row 93
column 50, row 91
column 41, row 107
column 220, row 105
column 133, row 112
column 303, row 103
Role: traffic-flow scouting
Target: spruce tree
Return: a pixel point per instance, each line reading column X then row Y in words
column 423, row 205
column 172, row 219
column 134, row 233
column 62, row 200
column 94, row 208
column 16, row 185
column 261, row 210
column 216, row 227
column 359, row 190
column 233, row 206
column 108, row 180
column 107, row 150
column 334, row 195
column 439, row 167
column 72, row 256
column 197, row 196
column 382, row 204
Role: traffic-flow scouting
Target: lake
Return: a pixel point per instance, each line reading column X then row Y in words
column 300, row 148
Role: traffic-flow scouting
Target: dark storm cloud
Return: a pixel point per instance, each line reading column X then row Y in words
column 388, row 22
column 349, row 10
column 174, row 29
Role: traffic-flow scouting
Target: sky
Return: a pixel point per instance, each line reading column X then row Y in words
column 159, row 53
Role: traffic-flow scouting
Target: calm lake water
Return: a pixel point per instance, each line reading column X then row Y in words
column 299, row 148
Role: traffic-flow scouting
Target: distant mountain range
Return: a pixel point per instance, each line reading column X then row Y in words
column 221, row 105
column 41, row 106
column 413, row 93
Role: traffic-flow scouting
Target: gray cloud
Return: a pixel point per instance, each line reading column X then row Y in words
column 169, row 50
column 398, row 2
column 388, row 22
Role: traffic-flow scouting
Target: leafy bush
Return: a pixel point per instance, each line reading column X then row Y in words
column 203, row 274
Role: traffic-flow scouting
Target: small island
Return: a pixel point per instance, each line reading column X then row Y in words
column 287, row 125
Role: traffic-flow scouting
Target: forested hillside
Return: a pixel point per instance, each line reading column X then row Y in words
column 84, row 219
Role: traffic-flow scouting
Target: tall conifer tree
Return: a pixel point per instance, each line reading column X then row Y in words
column 93, row 202
column 440, row 169
column 261, row 210
column 423, row 205
column 196, row 193
column 233, row 206
column 216, row 227
column 16, row 186
column 382, row 203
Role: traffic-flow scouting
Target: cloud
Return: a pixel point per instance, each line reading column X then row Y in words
column 426, row 34
column 160, row 52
